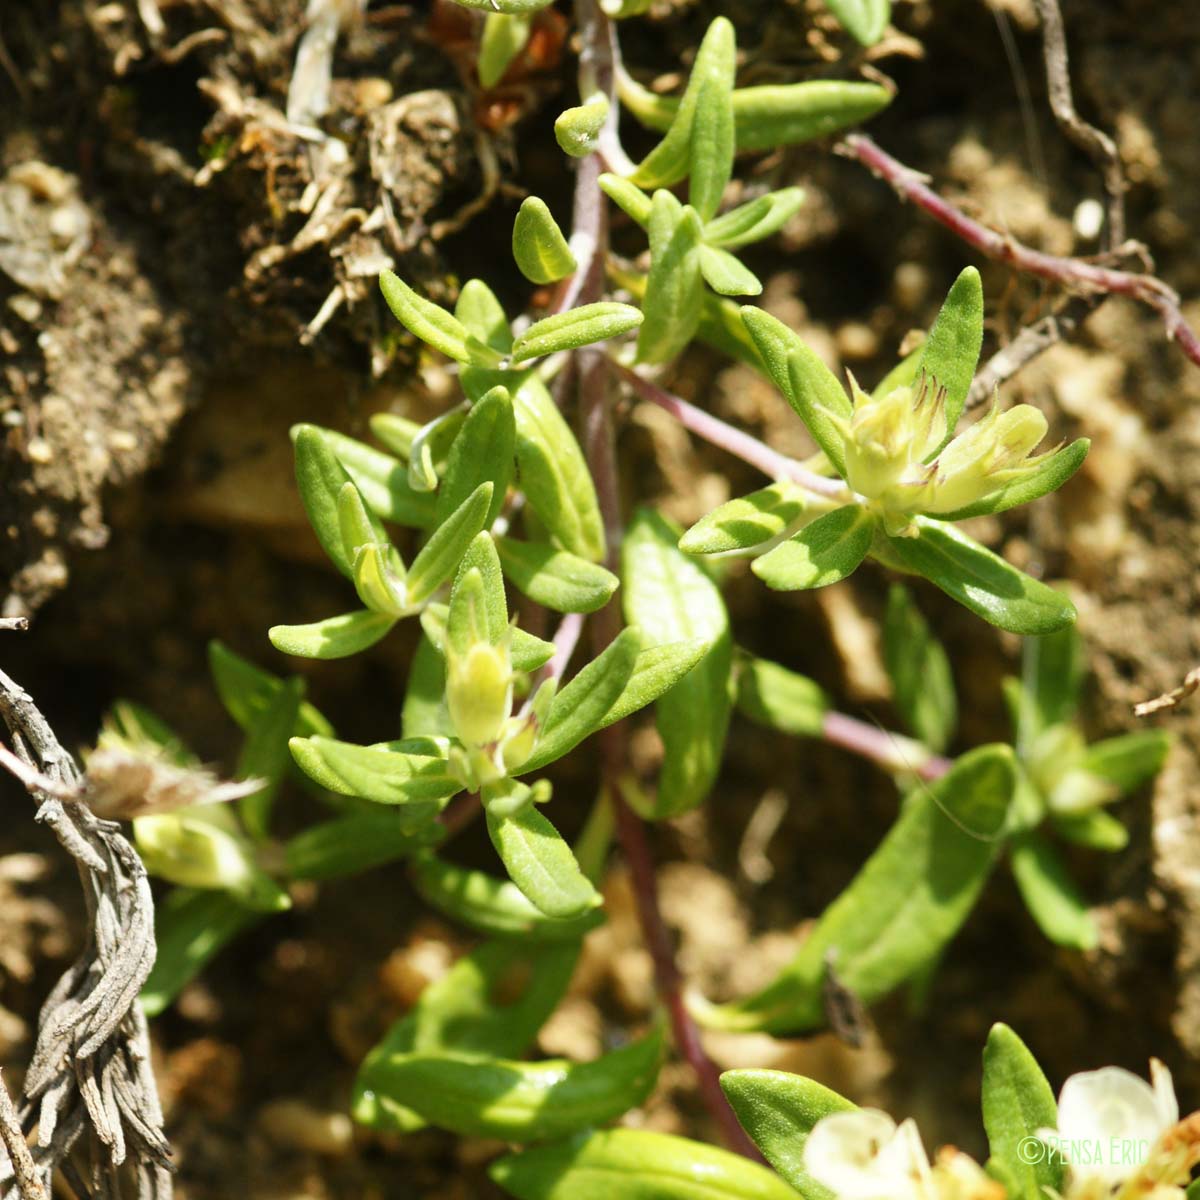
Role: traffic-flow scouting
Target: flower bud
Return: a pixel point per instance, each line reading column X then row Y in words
column 479, row 692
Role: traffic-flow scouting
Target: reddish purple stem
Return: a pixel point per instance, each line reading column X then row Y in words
column 1072, row 273
column 890, row 750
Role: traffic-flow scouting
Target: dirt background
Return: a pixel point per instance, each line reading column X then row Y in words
column 164, row 252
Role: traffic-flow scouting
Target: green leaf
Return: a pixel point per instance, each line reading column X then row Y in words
column 440, row 556
column 951, row 350
column 982, row 581
column 406, row 774
column 424, row 708
column 635, row 1164
column 670, row 598
column 483, row 315
column 1096, row 829
column 673, row 157
column 1050, row 894
column 394, row 431
column 577, row 327
column 246, row 691
column 382, row 481
column 434, row 325
column 628, row 197
column 771, row 116
column 490, row 905
column 552, row 577
column 755, row 220
column 504, row 37
column 780, row 699
column 922, row 684
column 541, row 863
column 265, row 755
column 554, row 476
column 656, row 670
column 474, row 1095
column 190, row 928
column 538, row 245
column 491, row 623
column 674, row 289
column 464, row 1011
column 526, row 651
column 712, row 132
column 335, row 637
column 430, row 446
column 864, row 20
column 904, row 906
column 352, row 844
column 1052, row 673
column 483, row 452
column 903, row 374
column 726, row 275
column 778, row 1111
column 1047, row 478
column 749, row 523
column 577, row 130
column 320, row 478
column 824, row 551
column 1017, row 1102
column 379, row 580
column 1129, row 760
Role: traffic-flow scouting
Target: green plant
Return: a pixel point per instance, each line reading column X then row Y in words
column 500, row 493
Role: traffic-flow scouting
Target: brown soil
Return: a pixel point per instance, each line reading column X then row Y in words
column 152, row 362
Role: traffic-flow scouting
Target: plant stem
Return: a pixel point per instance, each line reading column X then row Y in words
column 599, row 55
column 892, row 751
column 742, row 445
column 1073, row 273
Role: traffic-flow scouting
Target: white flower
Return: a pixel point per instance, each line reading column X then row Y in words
column 864, row 1155
column 1110, row 1121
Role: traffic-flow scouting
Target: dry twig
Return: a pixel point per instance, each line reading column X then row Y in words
column 1171, row 699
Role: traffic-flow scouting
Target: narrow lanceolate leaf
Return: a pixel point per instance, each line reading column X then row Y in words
column 1095, row 829
column 265, row 755
column 424, row 710
column 1017, row 1102
column 554, row 476
column 780, row 699
column 320, row 478
column 778, row 1111
column 190, row 927
column 951, row 350
column 671, row 159
column 382, row 481
column 670, row 598
column 504, row 37
column 483, row 452
column 577, row 327
column 335, row 637
column 1052, row 673
column 864, row 20
column 354, row 843
column 577, row 130
column 552, row 577
column 492, row 1001
column 922, row 685
column 1050, row 894
column 481, row 557
column 628, row 197
column 982, row 581
column 526, row 651
column 483, row 315
column 475, row 1095
column 824, row 551
column 1047, row 478
column 748, row 524
column 429, row 448
column 394, row 431
column 656, row 670
column 726, row 275
column 541, row 864
column 538, row 245
column 246, row 691
column 419, row 783
column 712, row 132
column 434, row 325
column 904, row 906
column 674, row 297
column 440, row 556
column 491, row 905
column 635, row 1164
column 755, row 220
column 1129, row 760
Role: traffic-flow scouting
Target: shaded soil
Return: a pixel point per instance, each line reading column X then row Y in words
column 147, row 505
